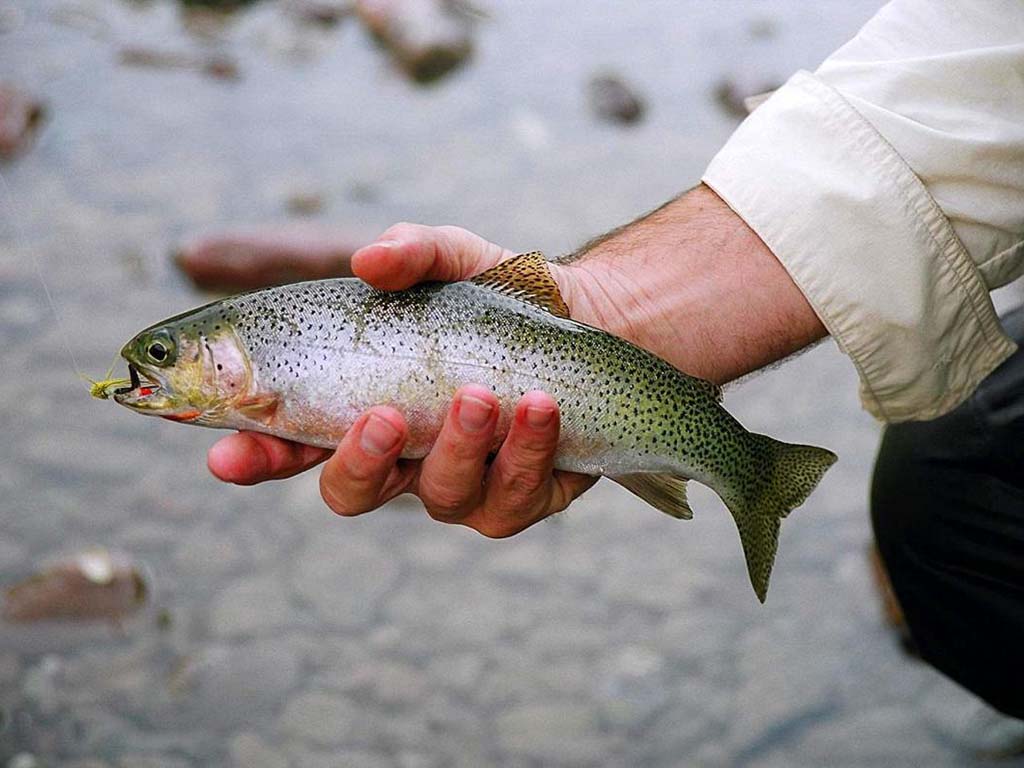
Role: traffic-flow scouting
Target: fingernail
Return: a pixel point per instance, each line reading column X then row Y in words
column 378, row 436
column 474, row 413
column 385, row 244
column 538, row 418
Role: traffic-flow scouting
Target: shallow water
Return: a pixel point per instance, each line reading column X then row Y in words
column 278, row 634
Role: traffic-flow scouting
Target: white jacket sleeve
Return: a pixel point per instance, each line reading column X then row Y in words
column 890, row 184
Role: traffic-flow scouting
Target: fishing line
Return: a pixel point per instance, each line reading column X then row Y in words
column 21, row 242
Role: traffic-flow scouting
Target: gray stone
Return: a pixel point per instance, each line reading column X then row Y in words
column 392, row 684
column 153, row 761
column 324, row 719
column 632, row 685
column 458, row 672
column 10, row 668
column 344, row 578
column 207, row 554
column 303, row 757
column 226, row 686
column 250, row 606
column 530, row 561
column 553, row 733
column 249, row 750
column 879, row 736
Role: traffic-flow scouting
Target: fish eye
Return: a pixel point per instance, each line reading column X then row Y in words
column 159, row 348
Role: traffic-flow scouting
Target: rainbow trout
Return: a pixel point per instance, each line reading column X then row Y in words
column 303, row 361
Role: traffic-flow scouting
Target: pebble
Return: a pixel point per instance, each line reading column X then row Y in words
column 344, row 578
column 250, row 750
column 391, row 684
column 324, row 719
column 207, row 554
column 250, row 606
column 21, row 115
column 614, row 100
column 552, row 733
column 231, row 685
column 153, row 761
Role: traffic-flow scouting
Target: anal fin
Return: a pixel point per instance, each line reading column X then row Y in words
column 665, row 492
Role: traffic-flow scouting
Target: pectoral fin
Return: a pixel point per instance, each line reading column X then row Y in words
column 662, row 491
column 259, row 407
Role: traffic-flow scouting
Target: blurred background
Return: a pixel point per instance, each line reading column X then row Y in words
column 157, row 618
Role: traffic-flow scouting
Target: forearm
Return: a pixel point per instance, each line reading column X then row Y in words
column 693, row 284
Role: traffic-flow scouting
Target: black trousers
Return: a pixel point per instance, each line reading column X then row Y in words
column 947, row 504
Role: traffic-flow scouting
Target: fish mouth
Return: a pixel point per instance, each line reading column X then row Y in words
column 143, row 386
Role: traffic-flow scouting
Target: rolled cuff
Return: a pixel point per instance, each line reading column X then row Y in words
column 867, row 245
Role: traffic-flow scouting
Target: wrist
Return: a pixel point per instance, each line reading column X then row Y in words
column 692, row 283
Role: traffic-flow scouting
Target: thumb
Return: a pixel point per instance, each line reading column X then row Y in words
column 407, row 254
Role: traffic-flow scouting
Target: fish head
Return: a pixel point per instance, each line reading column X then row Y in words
column 188, row 368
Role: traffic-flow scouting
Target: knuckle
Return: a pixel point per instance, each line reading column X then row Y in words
column 337, row 501
column 400, row 229
column 444, row 503
column 523, row 482
column 497, row 529
column 360, row 471
column 453, row 232
column 464, row 449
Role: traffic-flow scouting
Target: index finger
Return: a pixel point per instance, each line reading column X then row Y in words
column 247, row 458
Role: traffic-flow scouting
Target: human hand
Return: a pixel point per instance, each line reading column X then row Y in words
column 455, row 481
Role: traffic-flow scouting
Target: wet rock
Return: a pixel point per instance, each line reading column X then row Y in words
column 522, row 560
column 739, row 97
column 344, row 578
column 206, row 554
column 325, row 12
column 258, row 258
column 878, row 736
column 303, row 757
column 10, row 669
column 427, row 38
column 153, row 761
column 228, row 686
column 460, row 673
column 555, row 733
column 613, row 99
column 11, row 17
column 21, row 116
column 219, row 66
column 41, row 683
column 762, row 29
column 252, row 605
column 217, row 5
column 633, row 686
column 392, row 684
column 249, row 750
column 324, row 719
column 304, row 203
column 91, row 585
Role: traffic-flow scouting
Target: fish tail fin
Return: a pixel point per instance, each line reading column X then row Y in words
column 782, row 476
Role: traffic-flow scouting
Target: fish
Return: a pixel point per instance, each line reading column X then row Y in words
column 303, row 361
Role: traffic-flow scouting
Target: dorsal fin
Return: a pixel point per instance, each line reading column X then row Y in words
column 527, row 278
